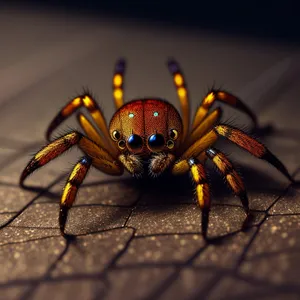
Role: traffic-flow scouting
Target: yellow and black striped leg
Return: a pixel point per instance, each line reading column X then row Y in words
column 101, row 158
column 202, row 192
column 233, row 179
column 251, row 145
column 90, row 104
column 70, row 190
column 50, row 152
column 118, row 83
column 224, row 97
column 182, row 93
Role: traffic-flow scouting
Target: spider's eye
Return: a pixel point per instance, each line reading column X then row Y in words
column 156, row 142
column 170, row 144
column 116, row 135
column 122, row 144
column 135, row 142
column 173, row 134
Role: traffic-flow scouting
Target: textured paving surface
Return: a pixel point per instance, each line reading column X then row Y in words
column 141, row 239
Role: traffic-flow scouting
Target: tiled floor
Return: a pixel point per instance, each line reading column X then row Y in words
column 141, row 239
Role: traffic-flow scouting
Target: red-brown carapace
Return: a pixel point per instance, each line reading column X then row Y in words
column 151, row 132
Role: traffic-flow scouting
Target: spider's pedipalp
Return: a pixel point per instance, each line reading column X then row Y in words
column 118, row 82
column 224, row 97
column 160, row 162
column 132, row 164
column 230, row 174
column 71, row 188
column 251, row 145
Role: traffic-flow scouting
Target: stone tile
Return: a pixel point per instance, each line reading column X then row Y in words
column 274, row 254
column 152, row 220
column 29, row 260
column 190, row 284
column 234, row 288
column 12, row 293
column 77, row 290
column 135, row 284
column 14, row 198
column 226, row 253
column 81, row 219
column 93, row 253
column 5, row 217
column 288, row 204
column 120, row 193
column 19, row 235
column 228, row 219
column 161, row 249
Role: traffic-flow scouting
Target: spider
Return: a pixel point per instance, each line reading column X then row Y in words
column 150, row 133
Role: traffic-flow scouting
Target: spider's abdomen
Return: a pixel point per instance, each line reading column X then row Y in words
column 147, row 125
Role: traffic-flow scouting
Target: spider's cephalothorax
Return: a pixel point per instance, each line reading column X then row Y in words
column 151, row 130
column 146, row 126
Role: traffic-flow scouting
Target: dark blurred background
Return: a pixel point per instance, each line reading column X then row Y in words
column 264, row 19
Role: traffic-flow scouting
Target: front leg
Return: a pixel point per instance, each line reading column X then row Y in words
column 70, row 190
column 202, row 187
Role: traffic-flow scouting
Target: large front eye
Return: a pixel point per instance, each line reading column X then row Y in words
column 116, row 135
column 156, row 142
column 173, row 134
column 135, row 142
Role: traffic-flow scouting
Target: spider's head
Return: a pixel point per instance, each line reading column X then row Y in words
column 146, row 126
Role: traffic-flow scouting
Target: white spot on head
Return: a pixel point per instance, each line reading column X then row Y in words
column 131, row 115
column 155, row 114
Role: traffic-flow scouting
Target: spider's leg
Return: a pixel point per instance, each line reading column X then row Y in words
column 202, row 189
column 207, row 124
column 81, row 101
column 200, row 145
column 232, row 177
column 118, row 83
column 51, row 151
column 251, row 145
column 182, row 93
column 93, row 134
column 160, row 162
column 224, row 97
column 70, row 190
column 197, row 150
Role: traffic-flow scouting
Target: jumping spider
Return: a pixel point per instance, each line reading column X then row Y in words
column 152, row 130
